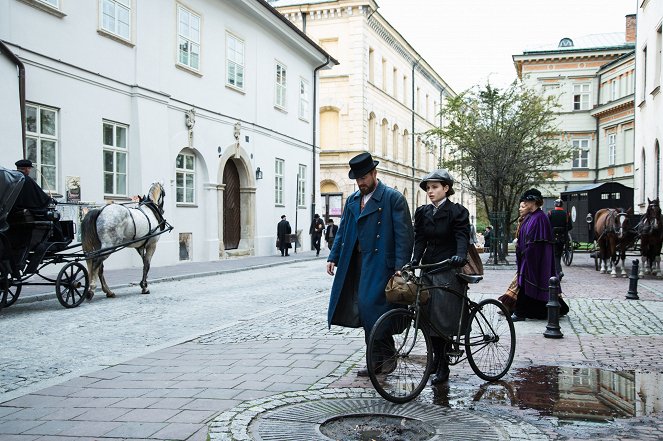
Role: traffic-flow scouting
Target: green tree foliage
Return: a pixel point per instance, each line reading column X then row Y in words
column 502, row 142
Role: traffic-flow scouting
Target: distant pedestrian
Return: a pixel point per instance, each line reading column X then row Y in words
column 373, row 242
column 330, row 232
column 283, row 231
column 473, row 232
column 315, row 230
column 487, row 236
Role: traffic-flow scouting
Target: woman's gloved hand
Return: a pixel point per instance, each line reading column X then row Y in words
column 457, row 261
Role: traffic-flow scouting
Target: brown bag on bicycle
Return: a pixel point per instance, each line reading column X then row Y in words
column 400, row 291
column 474, row 265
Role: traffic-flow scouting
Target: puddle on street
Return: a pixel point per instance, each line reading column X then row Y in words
column 570, row 394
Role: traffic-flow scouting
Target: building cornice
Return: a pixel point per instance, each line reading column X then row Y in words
column 620, row 104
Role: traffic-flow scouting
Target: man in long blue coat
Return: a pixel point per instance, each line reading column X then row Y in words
column 374, row 240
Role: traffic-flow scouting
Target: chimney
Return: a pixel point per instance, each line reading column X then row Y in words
column 630, row 28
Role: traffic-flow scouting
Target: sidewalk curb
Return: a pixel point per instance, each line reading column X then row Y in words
column 51, row 296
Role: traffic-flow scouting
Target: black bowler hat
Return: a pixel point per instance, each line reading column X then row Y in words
column 23, row 163
column 361, row 164
column 531, row 195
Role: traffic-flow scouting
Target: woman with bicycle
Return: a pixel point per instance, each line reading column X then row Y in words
column 441, row 231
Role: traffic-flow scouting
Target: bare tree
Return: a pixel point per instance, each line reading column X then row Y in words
column 501, row 142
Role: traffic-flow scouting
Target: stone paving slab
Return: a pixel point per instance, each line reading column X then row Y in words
column 288, row 355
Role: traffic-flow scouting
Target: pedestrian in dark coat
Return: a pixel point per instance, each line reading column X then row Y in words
column 283, row 231
column 330, row 232
column 441, row 232
column 374, row 241
column 315, row 230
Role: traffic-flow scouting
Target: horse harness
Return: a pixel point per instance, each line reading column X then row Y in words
column 158, row 213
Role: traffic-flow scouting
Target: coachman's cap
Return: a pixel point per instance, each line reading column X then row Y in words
column 441, row 175
column 361, row 164
column 531, row 195
column 23, row 163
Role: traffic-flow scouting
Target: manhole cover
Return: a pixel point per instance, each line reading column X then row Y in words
column 312, row 420
column 377, row 428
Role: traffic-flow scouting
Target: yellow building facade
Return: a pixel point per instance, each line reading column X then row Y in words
column 381, row 98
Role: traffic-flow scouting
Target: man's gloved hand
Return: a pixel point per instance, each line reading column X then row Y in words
column 457, row 261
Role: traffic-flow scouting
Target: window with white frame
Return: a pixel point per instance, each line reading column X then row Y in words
column 301, row 186
column 41, row 142
column 278, row 181
column 115, row 158
column 580, row 96
column 304, row 100
column 185, row 178
column 188, row 38
column 234, row 61
column 580, row 153
column 116, row 17
column 280, row 86
column 612, row 149
column 614, row 89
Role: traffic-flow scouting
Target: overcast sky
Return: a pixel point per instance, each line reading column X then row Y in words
column 465, row 41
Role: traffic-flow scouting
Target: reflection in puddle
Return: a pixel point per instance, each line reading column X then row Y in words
column 585, row 394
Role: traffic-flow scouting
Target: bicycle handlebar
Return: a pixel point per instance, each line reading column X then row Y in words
column 408, row 267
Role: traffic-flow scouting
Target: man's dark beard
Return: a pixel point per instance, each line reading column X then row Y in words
column 368, row 190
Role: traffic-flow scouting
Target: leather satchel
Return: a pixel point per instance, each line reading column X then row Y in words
column 474, row 265
column 402, row 292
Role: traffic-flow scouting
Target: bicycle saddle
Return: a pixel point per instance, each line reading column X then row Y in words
column 469, row 279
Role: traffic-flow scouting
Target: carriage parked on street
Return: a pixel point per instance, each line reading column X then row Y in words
column 31, row 240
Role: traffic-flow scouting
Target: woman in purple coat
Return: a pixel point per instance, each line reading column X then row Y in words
column 534, row 257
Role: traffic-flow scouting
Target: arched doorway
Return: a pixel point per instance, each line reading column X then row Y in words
column 231, row 207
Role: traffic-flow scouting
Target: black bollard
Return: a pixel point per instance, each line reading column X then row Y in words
column 552, row 328
column 632, row 293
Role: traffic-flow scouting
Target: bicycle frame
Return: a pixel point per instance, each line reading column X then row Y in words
column 456, row 354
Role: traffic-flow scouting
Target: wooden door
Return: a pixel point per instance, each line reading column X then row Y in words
column 231, row 207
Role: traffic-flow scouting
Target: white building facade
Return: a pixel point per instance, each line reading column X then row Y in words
column 381, row 98
column 648, row 102
column 212, row 98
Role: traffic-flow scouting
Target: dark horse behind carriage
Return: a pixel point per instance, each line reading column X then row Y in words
column 650, row 231
column 613, row 235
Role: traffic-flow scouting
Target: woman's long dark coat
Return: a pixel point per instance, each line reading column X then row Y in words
column 384, row 232
column 438, row 237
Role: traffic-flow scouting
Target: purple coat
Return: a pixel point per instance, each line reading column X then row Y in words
column 535, row 256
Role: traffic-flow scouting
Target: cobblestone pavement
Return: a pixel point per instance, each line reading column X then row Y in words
column 262, row 342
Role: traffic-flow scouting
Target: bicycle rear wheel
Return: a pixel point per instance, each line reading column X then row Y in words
column 399, row 372
column 490, row 341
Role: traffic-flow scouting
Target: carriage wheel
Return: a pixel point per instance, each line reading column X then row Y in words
column 10, row 292
column 597, row 261
column 567, row 255
column 72, row 284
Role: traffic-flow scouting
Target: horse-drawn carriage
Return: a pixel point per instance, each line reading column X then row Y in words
column 33, row 239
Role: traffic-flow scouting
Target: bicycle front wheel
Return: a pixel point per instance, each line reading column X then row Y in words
column 490, row 341
column 399, row 356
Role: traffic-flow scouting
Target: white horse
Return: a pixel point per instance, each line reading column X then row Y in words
column 116, row 226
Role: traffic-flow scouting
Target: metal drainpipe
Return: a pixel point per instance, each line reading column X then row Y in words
column 21, row 88
column 414, row 65
column 598, row 135
column 315, row 115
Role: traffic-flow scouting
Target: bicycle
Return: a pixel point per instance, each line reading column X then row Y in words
column 567, row 253
column 488, row 340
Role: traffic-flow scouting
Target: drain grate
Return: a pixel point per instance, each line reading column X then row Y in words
column 302, row 421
